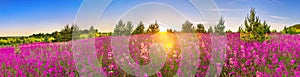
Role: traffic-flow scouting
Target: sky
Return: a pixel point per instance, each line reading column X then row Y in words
column 26, row 17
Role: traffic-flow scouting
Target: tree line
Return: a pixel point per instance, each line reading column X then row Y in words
column 68, row 33
column 252, row 30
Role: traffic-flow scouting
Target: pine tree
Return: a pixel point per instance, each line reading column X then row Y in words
column 139, row 29
column 254, row 29
column 153, row 28
column 210, row 30
column 128, row 28
column 200, row 28
column 229, row 31
column 170, row 30
column 122, row 29
column 284, row 30
column 240, row 29
column 219, row 29
column 187, row 27
column 92, row 32
column 118, row 30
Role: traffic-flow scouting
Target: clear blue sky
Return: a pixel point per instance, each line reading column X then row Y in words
column 25, row 17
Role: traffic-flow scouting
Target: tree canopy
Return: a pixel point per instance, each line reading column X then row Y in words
column 254, row 29
column 187, row 27
column 153, row 28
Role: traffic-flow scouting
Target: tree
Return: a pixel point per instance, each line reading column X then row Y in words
column 274, row 31
column 66, row 33
column 128, row 28
column 210, row 30
column 69, row 33
column 219, row 29
column 240, row 30
column 92, row 32
column 229, row 31
column 284, row 30
column 57, row 36
column 187, row 27
column 254, row 29
column 171, row 30
column 200, row 28
column 139, row 29
column 119, row 28
column 153, row 28
column 75, row 32
column 122, row 29
column 292, row 29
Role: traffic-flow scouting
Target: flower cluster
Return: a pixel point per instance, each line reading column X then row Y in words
column 278, row 56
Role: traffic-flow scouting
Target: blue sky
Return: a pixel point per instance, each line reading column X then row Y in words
column 25, row 17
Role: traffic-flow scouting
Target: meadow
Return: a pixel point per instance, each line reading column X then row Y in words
column 278, row 56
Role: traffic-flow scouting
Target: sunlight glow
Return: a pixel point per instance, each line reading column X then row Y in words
column 167, row 39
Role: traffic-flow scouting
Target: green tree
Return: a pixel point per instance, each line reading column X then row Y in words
column 171, row 30
column 119, row 28
column 200, row 28
column 153, row 28
column 229, row 31
column 128, row 28
column 284, row 30
column 292, row 29
column 66, row 33
column 254, row 29
column 219, row 29
column 187, row 27
column 139, row 29
column 274, row 31
column 210, row 30
column 122, row 29
column 57, row 36
column 92, row 32
column 240, row 30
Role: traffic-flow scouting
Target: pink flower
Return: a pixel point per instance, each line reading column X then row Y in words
column 111, row 72
column 258, row 74
column 159, row 74
column 293, row 61
column 231, row 73
column 297, row 73
column 278, row 70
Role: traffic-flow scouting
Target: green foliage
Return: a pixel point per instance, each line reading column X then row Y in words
column 118, row 30
column 153, row 28
column 139, row 29
column 68, row 33
column 297, row 26
column 210, row 30
column 274, row 31
column 171, row 30
column 92, row 32
column 187, row 27
column 229, row 31
column 200, row 28
column 254, row 29
column 295, row 29
column 128, row 28
column 219, row 29
column 240, row 30
column 122, row 29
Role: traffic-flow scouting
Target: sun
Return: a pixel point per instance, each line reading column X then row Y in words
column 162, row 29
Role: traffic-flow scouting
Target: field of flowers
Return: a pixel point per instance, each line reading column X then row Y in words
column 278, row 56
